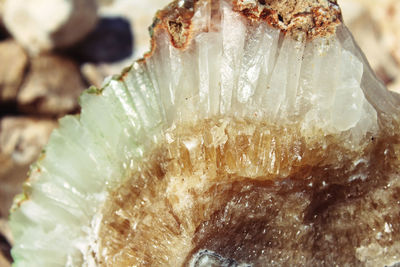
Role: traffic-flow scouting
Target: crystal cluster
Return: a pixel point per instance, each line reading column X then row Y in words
column 254, row 133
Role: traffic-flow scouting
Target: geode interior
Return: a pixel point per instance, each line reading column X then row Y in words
column 254, row 133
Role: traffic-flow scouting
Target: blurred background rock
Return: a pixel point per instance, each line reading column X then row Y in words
column 51, row 50
column 44, row 25
column 375, row 26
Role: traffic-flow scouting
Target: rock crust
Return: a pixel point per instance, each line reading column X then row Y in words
column 300, row 19
column 48, row 24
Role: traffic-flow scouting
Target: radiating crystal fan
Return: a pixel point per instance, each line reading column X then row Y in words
column 254, row 133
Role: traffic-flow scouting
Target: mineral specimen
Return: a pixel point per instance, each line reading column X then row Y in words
column 254, row 133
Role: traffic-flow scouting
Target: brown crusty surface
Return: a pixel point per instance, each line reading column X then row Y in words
column 301, row 19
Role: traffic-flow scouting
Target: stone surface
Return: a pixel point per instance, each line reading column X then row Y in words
column 21, row 140
column 51, row 87
column 4, row 262
column 299, row 18
column 14, row 62
column 374, row 25
column 387, row 14
column 42, row 25
column 390, row 20
column 366, row 29
column 93, row 74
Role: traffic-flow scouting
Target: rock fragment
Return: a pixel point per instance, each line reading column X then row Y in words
column 42, row 25
column 21, row 140
column 51, row 86
column 368, row 33
column 387, row 14
column 3, row 261
column 12, row 68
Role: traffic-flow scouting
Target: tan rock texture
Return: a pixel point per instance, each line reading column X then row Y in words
column 51, row 87
column 300, row 18
column 21, row 140
column 14, row 62
column 386, row 14
column 374, row 25
column 3, row 261
column 42, row 25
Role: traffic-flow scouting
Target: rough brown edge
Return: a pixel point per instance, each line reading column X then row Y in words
column 176, row 20
column 301, row 19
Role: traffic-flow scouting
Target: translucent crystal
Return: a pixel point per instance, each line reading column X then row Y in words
column 249, row 131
